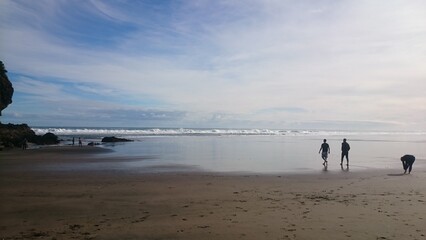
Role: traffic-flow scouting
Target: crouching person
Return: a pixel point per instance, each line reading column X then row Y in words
column 407, row 162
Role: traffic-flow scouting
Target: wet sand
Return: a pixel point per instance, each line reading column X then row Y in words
column 117, row 204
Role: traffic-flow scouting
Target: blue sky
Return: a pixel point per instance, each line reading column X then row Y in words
column 239, row 64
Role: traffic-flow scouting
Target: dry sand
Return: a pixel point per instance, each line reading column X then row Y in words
column 128, row 205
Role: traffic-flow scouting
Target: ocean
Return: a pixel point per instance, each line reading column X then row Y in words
column 246, row 150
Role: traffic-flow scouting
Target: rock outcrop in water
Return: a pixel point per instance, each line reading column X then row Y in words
column 6, row 89
column 46, row 139
column 115, row 139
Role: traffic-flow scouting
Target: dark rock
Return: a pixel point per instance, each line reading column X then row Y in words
column 13, row 135
column 49, row 139
column 93, row 144
column 17, row 135
column 46, row 139
column 6, row 89
column 115, row 139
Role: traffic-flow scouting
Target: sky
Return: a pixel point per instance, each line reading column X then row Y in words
column 282, row 64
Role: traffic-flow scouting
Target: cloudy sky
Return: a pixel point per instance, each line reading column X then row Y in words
column 318, row 64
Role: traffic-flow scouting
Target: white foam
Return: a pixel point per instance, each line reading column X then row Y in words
column 214, row 132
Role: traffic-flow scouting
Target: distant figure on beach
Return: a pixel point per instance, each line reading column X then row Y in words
column 80, row 144
column 345, row 152
column 407, row 162
column 24, row 144
column 73, row 141
column 325, row 148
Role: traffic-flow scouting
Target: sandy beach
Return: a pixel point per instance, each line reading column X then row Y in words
column 116, row 204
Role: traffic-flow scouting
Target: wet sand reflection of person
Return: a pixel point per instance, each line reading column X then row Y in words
column 325, row 168
column 344, row 169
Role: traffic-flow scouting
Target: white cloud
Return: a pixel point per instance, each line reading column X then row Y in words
column 340, row 61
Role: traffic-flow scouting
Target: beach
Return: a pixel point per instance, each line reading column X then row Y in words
column 212, row 120
column 119, row 204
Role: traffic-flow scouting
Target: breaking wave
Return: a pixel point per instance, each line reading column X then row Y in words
column 204, row 132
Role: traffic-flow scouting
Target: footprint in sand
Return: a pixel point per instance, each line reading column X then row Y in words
column 75, row 227
column 203, row 226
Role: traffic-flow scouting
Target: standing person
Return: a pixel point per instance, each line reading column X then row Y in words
column 345, row 152
column 80, row 144
column 73, row 140
column 24, row 144
column 325, row 148
column 407, row 162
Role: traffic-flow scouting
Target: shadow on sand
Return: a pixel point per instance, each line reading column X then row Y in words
column 396, row 174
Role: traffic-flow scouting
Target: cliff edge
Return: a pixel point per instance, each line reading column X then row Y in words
column 6, row 89
column 15, row 135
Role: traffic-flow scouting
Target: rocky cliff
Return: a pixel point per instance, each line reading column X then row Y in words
column 13, row 135
column 6, row 89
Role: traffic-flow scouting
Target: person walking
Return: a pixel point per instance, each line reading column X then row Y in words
column 407, row 162
column 80, row 144
column 325, row 148
column 345, row 152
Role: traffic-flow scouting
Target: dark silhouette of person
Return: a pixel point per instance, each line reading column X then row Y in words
column 73, row 140
column 325, row 148
column 24, row 144
column 345, row 152
column 407, row 162
column 80, row 144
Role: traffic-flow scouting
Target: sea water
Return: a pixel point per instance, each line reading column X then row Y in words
column 248, row 150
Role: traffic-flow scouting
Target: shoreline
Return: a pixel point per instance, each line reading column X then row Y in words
column 67, row 154
column 205, row 205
